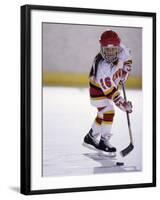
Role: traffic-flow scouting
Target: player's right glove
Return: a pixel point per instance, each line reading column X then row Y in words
column 126, row 106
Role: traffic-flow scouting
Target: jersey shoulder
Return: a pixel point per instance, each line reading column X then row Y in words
column 125, row 53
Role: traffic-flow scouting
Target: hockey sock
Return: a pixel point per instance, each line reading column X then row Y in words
column 106, row 125
column 96, row 127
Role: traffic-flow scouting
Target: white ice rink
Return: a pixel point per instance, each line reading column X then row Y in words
column 68, row 116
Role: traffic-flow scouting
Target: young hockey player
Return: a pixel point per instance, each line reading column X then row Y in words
column 110, row 68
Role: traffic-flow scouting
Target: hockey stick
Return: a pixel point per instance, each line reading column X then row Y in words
column 130, row 147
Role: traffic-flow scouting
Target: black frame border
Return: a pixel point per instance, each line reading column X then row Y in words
column 25, row 143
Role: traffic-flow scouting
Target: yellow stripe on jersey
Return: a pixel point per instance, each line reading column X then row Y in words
column 94, row 83
column 109, row 112
column 117, row 93
column 105, row 122
column 109, row 91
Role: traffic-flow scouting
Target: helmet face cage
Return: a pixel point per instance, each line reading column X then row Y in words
column 110, row 53
column 110, row 46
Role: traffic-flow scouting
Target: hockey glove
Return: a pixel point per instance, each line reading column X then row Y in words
column 125, row 72
column 125, row 106
column 124, row 77
column 127, row 68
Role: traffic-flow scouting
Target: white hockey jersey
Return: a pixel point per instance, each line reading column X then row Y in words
column 104, row 84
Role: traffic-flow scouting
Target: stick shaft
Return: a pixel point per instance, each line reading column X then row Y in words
column 127, row 114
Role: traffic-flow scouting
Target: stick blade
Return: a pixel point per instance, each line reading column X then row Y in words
column 127, row 150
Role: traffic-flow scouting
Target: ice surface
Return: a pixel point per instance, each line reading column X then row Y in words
column 67, row 117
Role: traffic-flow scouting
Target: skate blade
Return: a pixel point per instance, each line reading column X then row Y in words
column 89, row 146
column 100, row 152
column 107, row 154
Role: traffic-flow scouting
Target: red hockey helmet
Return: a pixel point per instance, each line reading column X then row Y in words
column 110, row 46
column 109, row 37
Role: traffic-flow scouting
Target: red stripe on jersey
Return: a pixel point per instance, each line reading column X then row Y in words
column 95, row 91
column 124, row 73
column 109, row 96
column 98, row 120
column 108, row 117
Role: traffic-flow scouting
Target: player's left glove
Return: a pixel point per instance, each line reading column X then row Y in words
column 123, row 105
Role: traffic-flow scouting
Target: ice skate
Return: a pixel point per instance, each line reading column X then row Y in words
column 90, row 141
column 106, row 148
